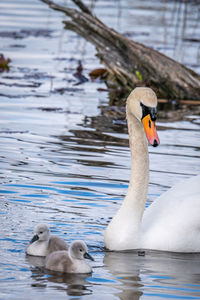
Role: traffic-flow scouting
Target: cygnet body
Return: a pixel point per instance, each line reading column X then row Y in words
column 72, row 261
column 43, row 243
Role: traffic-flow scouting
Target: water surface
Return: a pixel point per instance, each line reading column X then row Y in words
column 61, row 163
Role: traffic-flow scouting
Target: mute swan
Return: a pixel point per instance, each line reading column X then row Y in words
column 172, row 222
column 43, row 243
column 70, row 262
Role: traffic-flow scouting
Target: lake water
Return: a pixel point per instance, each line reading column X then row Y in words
column 62, row 162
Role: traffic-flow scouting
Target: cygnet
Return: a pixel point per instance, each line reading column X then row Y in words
column 72, row 261
column 43, row 243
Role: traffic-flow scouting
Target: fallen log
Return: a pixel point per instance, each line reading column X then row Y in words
column 130, row 64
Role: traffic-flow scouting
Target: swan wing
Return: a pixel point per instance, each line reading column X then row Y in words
column 172, row 221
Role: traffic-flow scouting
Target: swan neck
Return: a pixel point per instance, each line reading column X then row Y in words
column 139, row 179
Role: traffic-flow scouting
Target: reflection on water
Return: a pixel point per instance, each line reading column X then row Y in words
column 66, row 162
column 154, row 276
column 71, row 284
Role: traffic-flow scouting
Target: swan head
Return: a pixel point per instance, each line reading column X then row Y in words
column 79, row 250
column 141, row 104
column 41, row 233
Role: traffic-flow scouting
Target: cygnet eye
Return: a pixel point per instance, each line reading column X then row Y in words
column 41, row 232
column 81, row 250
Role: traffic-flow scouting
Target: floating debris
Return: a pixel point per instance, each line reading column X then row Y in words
column 100, row 73
column 79, row 74
column 4, row 63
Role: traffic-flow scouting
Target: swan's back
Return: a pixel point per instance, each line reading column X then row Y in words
column 56, row 244
column 59, row 261
column 172, row 221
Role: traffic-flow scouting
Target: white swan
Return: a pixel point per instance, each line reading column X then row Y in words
column 172, row 222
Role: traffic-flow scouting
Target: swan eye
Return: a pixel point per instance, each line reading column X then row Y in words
column 41, row 232
column 81, row 250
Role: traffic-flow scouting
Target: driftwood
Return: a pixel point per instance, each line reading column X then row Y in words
column 131, row 64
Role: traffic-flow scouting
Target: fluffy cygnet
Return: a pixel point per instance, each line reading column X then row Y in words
column 72, row 261
column 43, row 243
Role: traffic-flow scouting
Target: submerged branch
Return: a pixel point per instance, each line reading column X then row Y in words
column 131, row 64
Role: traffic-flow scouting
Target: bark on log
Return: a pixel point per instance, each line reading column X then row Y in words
column 130, row 63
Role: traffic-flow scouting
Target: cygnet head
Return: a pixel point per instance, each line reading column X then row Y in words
column 141, row 104
column 79, row 250
column 41, row 233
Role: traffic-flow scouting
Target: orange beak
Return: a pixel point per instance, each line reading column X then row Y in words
column 150, row 130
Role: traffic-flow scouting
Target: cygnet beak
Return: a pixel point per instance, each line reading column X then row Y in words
column 34, row 239
column 88, row 256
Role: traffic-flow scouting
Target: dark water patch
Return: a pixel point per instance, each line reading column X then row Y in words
column 51, row 109
column 27, row 74
column 181, row 155
column 192, row 39
column 132, row 34
column 91, row 138
column 20, row 96
column 8, row 131
column 66, row 90
column 17, row 46
column 34, row 74
column 22, row 85
column 63, row 59
column 22, row 34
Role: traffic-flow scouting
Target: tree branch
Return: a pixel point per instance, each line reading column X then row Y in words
column 131, row 64
column 82, row 6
